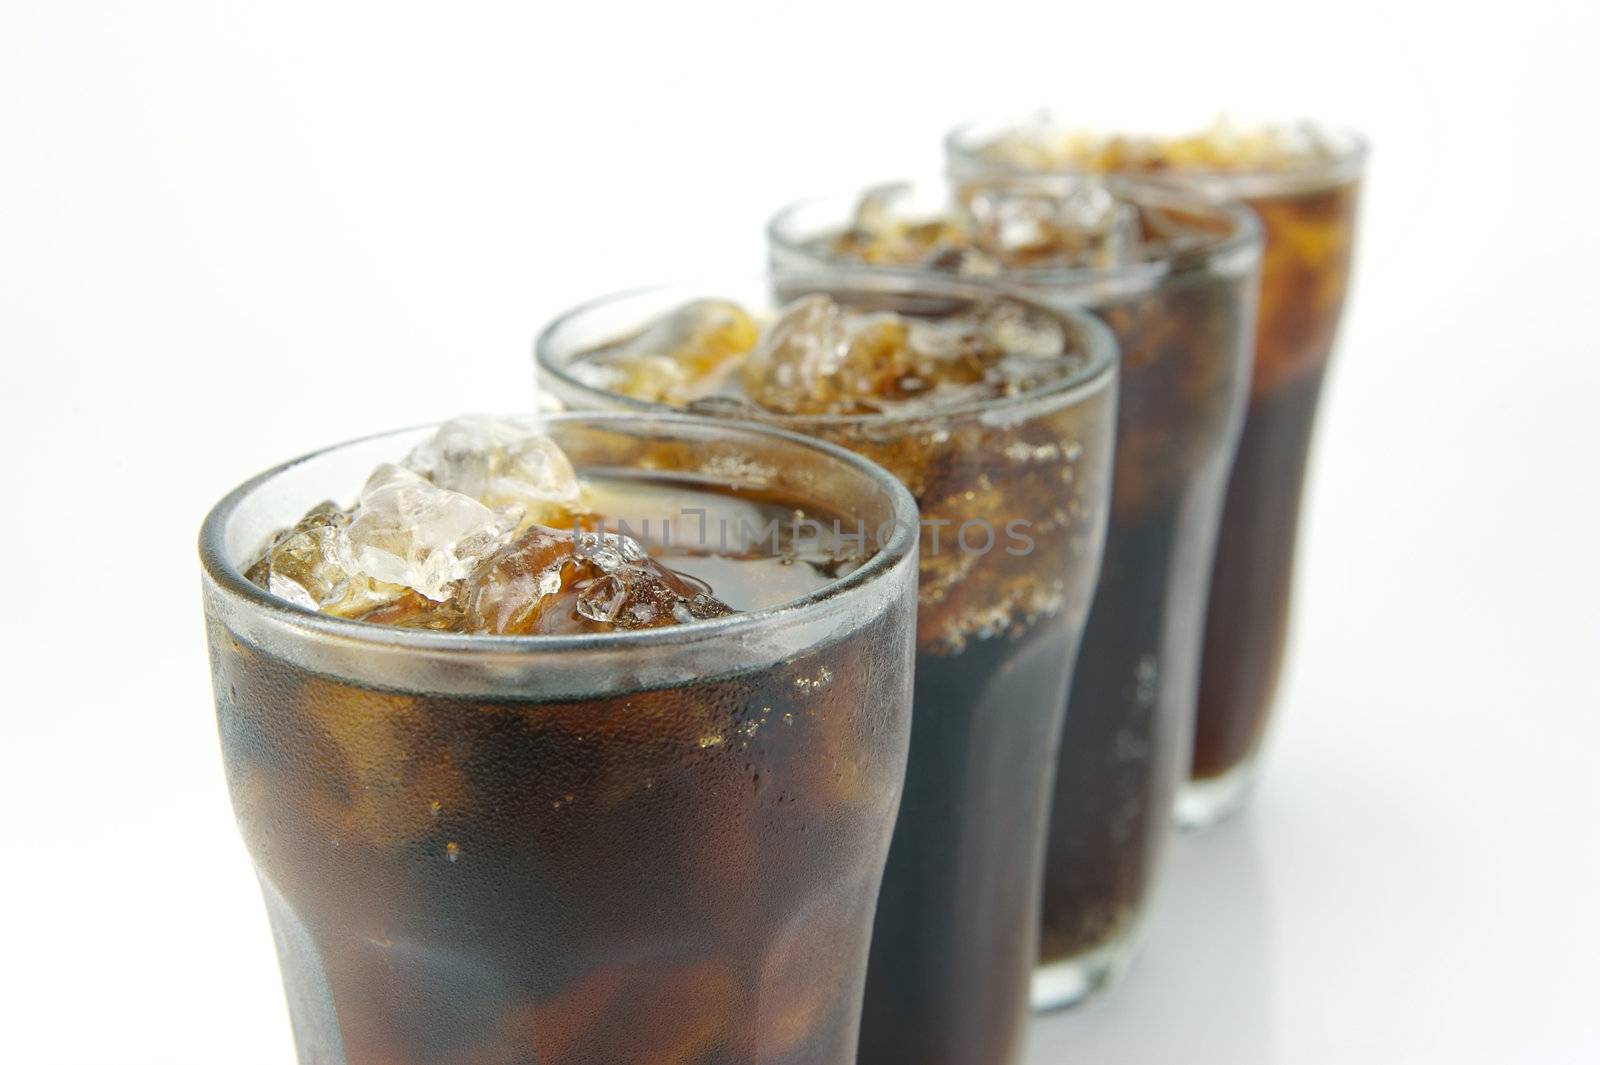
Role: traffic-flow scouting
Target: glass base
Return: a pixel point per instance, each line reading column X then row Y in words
column 1203, row 804
column 1060, row 984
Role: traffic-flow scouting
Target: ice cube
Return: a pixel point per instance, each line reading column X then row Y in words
column 881, row 233
column 881, row 355
column 406, row 530
column 677, row 357
column 1013, row 224
column 654, row 378
column 790, row 368
column 503, row 463
column 879, row 211
column 928, row 341
column 310, row 564
column 512, row 590
column 1077, row 222
column 634, row 591
column 555, row 581
column 820, row 357
column 1020, row 331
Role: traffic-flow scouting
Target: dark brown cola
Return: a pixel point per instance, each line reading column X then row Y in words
column 1132, row 701
column 651, row 835
column 1303, row 181
column 996, row 413
column 665, row 875
column 1174, row 278
column 1304, row 278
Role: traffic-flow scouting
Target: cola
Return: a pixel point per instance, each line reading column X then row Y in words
column 1303, row 180
column 1175, row 278
column 576, row 740
column 996, row 412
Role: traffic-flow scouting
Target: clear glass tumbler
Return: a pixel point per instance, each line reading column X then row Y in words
column 661, row 845
column 1180, row 300
column 956, row 934
column 1307, row 203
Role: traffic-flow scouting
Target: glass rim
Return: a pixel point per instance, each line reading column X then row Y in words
column 1350, row 149
column 1241, row 245
column 1098, row 371
column 230, row 581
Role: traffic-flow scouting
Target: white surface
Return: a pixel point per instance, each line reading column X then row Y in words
column 227, row 237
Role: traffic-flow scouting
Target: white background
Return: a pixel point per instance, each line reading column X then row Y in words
column 230, row 234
